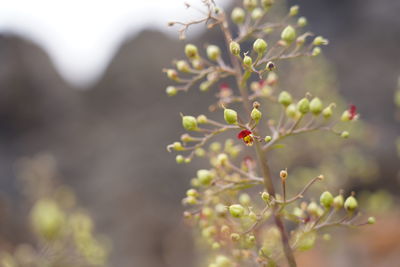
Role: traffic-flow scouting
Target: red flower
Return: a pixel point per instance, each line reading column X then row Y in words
column 224, row 90
column 352, row 112
column 246, row 136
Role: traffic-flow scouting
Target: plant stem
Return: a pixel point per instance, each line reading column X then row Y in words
column 261, row 155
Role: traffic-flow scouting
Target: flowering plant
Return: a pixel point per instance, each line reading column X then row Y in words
column 240, row 228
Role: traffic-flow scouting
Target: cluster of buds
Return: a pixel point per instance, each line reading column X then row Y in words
column 235, row 224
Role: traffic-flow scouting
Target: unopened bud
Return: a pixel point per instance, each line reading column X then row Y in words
column 180, row 159
column 230, row 116
column 172, row 74
column 350, row 204
column 316, row 51
column 267, row 139
column 303, row 106
column 266, row 4
column 313, row 208
column 288, row 34
column 234, row 48
column 316, row 106
column 327, row 112
column 256, row 114
column 177, row 146
column 257, row 13
column 222, row 159
column 319, row 40
column 283, row 174
column 189, row 123
column 285, row 98
column 338, row 202
column 171, row 91
column 291, row 111
column 236, row 210
column 250, row 4
column 326, row 199
column 260, row 46
column 201, row 119
column 204, row 176
column 302, row 21
column 244, row 199
column 294, row 10
column 371, row 220
column 182, row 66
column 213, row 52
column 265, row 196
column 345, row 134
column 191, row 51
column 345, row 116
column 238, row 15
column 247, row 61
column 47, row 219
column 192, row 193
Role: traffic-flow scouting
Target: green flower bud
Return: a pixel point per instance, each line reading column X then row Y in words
column 244, row 199
column 302, row 21
column 223, row 261
column 247, row 61
column 257, row 13
column 221, row 209
column 177, row 146
column 171, row 91
column 345, row 116
column 180, row 159
column 327, row 112
column 316, row 106
column 294, row 10
column 235, row 237
column 197, row 64
column 225, row 230
column 253, row 216
column 215, row 246
column 182, row 66
column 313, row 208
column 259, row 46
column 238, row 15
column 345, row 134
column 200, row 152
column 338, row 202
column 316, row 51
column 209, row 231
column 285, row 98
column 326, row 199
column 236, row 210
column 204, row 176
column 213, row 52
column 191, row 51
column 256, row 114
column 266, row 4
column 222, row 159
column 319, row 40
column 303, row 106
column 189, row 123
column 267, row 139
column 234, row 48
column 204, row 86
column 230, row 116
column 188, row 160
column 306, row 241
column 215, row 147
column 201, row 119
column 371, row 220
column 250, row 4
column 47, row 219
column 172, row 74
column 326, row 237
column 265, row 196
column 192, row 193
column 288, row 34
column 291, row 111
column 350, row 204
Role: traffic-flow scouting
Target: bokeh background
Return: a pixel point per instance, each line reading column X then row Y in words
column 81, row 87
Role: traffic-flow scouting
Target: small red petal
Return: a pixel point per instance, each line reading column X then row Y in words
column 243, row 134
column 352, row 111
column 224, row 86
column 261, row 83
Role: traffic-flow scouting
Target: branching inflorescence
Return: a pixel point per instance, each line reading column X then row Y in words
column 245, row 230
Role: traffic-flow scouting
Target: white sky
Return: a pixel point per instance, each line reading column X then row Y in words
column 82, row 36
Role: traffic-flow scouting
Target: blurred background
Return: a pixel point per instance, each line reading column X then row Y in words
column 83, row 111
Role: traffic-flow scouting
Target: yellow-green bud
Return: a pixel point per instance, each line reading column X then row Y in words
column 350, row 204
column 230, row 116
column 177, row 146
column 291, row 111
column 182, row 66
column 268, row 139
column 313, row 208
column 303, row 106
column 47, row 219
column 204, row 176
column 306, row 241
column 294, row 10
column 180, row 159
column 200, row 152
column 221, row 209
column 204, row 86
column 288, row 34
column 257, row 13
column 188, row 160
column 302, row 21
column 253, row 216
column 244, row 199
column 371, row 220
column 197, row 64
column 235, row 237
column 201, row 119
column 234, row 48
column 316, row 51
column 236, row 210
column 316, row 106
column 319, row 40
column 326, row 199
column 215, row 246
column 192, row 193
column 260, row 46
column 215, row 147
column 189, row 123
column 250, row 4
column 222, row 261
column 285, row 98
column 256, row 114
column 213, row 52
column 345, row 116
column 345, row 134
column 266, row 4
column 247, row 61
column 191, row 51
column 338, row 202
column 222, row 159
column 238, row 15
column 327, row 112
column 265, row 196
column 326, row 237
column 172, row 74
column 171, row 91
column 225, row 230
